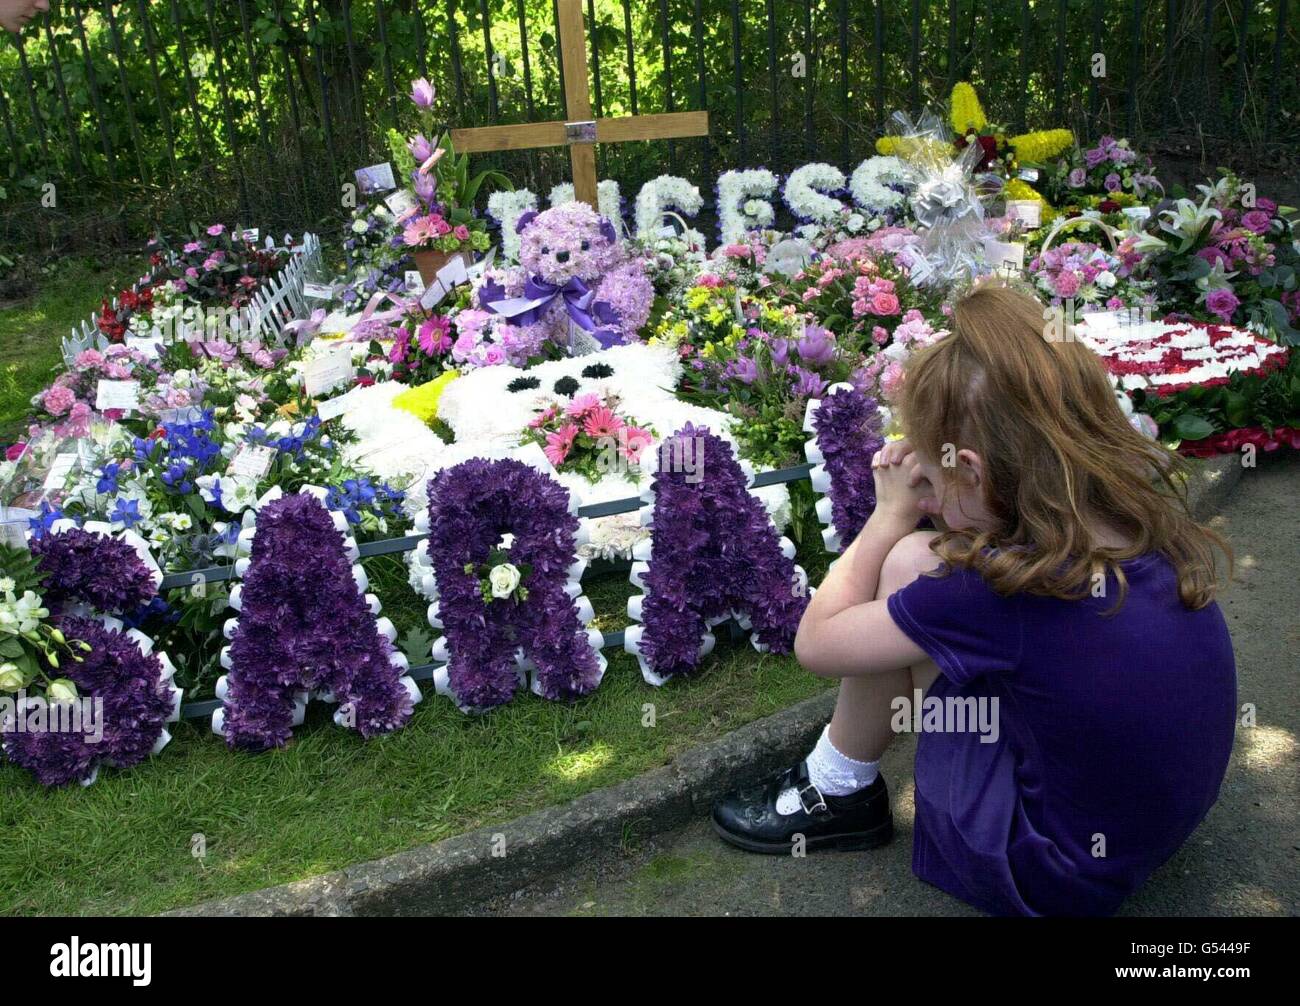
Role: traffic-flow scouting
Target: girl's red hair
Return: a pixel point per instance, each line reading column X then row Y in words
column 1059, row 456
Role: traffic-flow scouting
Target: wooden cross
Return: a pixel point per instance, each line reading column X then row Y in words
column 581, row 133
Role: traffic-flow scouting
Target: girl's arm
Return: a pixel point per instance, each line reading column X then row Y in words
column 845, row 631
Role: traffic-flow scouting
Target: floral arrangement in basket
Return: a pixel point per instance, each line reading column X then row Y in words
column 590, row 436
column 444, row 223
column 1086, row 273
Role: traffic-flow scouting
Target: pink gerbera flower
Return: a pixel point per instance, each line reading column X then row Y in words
column 419, row 232
column 601, row 422
column 544, row 417
column 559, row 443
column 582, row 404
column 635, row 440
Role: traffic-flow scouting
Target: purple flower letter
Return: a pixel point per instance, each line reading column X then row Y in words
column 847, row 424
column 471, row 505
column 304, row 624
column 137, row 702
column 715, row 553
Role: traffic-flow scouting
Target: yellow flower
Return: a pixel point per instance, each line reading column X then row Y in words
column 422, row 401
column 967, row 112
column 287, row 410
column 697, row 297
column 1042, row 146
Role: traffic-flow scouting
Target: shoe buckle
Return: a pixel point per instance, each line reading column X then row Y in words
column 819, row 806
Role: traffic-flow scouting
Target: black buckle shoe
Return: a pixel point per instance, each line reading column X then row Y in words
column 750, row 820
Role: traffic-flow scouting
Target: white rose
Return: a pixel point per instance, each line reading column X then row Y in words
column 855, row 223
column 504, row 578
column 11, row 679
column 62, row 690
column 1106, row 279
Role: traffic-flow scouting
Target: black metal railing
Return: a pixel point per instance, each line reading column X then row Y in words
column 163, row 111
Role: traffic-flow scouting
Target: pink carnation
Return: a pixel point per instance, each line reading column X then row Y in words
column 58, row 401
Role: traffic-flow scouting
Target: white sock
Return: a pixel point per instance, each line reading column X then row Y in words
column 835, row 773
column 832, row 772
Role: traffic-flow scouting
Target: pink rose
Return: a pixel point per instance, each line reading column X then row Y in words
column 884, row 303
column 879, row 335
column 216, row 230
column 461, row 232
column 15, row 451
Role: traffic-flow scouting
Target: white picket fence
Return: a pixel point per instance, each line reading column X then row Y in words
column 278, row 301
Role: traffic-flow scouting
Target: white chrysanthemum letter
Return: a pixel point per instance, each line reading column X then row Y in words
column 506, row 208
column 744, row 202
column 667, row 192
column 608, row 194
column 806, row 188
column 870, row 181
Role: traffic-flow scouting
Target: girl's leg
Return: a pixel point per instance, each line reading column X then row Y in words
column 860, row 727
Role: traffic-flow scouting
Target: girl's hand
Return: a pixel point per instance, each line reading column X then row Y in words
column 903, row 493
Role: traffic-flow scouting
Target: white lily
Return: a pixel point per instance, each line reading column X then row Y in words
column 1186, row 220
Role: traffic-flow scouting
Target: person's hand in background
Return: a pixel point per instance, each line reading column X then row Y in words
column 14, row 14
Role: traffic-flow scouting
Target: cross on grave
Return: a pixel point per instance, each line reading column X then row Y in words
column 581, row 133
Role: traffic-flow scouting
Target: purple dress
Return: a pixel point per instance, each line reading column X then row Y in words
column 1105, row 739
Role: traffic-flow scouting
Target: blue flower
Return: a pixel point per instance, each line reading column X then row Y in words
column 108, row 479
column 44, row 519
column 127, row 512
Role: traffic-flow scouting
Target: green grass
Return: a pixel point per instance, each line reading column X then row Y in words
column 126, row 844
column 30, row 329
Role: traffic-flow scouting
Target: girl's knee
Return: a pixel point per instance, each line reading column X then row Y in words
column 906, row 561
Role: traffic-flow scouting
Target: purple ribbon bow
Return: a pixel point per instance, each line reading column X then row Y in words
column 594, row 316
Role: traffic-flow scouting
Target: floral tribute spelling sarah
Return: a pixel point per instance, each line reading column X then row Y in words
column 503, row 541
column 306, row 625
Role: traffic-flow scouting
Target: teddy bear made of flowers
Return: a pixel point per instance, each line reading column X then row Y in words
column 576, row 284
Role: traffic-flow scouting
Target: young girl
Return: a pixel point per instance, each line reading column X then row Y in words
column 1063, row 619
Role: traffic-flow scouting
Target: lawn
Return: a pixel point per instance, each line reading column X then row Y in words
column 199, row 821
column 30, row 329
